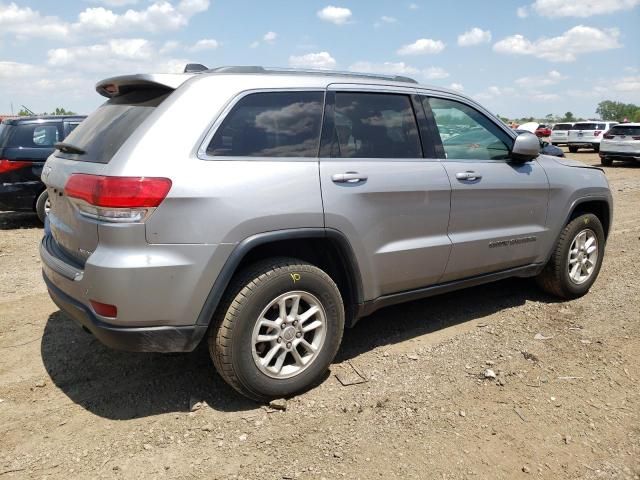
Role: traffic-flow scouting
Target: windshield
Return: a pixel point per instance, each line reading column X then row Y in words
column 625, row 130
column 104, row 131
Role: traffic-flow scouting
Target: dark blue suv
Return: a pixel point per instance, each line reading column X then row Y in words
column 25, row 144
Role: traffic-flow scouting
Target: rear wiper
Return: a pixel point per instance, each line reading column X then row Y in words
column 68, row 148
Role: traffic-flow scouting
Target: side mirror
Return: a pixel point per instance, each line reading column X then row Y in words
column 525, row 148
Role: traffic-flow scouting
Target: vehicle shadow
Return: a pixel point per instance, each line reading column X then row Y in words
column 17, row 220
column 122, row 385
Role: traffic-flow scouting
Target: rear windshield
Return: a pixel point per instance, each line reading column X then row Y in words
column 562, row 126
column 589, row 126
column 625, row 130
column 103, row 132
column 31, row 135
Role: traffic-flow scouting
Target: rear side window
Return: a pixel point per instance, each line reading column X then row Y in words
column 625, row 130
column 32, row 135
column 375, row 125
column 271, row 124
column 562, row 126
column 103, row 132
column 467, row 134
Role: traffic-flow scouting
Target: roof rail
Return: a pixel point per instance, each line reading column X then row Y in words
column 277, row 70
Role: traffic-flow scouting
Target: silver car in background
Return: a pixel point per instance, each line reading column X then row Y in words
column 587, row 135
column 264, row 210
column 560, row 133
column 621, row 142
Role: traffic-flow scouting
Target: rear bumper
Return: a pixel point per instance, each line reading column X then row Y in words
column 620, row 155
column 133, row 339
column 19, row 195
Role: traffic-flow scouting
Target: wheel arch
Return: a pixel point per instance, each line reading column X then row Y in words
column 326, row 248
column 600, row 207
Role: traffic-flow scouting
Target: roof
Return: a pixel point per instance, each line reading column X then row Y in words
column 43, row 118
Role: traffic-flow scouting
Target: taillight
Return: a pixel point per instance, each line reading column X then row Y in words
column 597, row 133
column 608, row 136
column 116, row 199
column 10, row 165
column 636, row 137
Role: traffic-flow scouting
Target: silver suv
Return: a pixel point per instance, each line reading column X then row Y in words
column 266, row 210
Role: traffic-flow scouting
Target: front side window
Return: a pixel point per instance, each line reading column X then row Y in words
column 467, row 134
column 375, row 125
column 271, row 124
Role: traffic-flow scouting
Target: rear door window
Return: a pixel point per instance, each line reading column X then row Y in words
column 374, row 125
column 271, row 124
column 103, row 132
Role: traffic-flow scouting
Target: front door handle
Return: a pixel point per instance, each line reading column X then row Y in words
column 349, row 177
column 468, row 175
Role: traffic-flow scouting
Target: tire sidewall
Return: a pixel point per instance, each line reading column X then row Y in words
column 40, row 203
column 275, row 285
column 587, row 221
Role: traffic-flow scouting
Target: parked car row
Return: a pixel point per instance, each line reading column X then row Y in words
column 25, row 144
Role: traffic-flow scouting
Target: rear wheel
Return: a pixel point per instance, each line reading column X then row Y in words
column 606, row 161
column 596, row 147
column 277, row 329
column 576, row 260
column 42, row 205
column 573, row 149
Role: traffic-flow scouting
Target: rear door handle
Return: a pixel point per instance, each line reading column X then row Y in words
column 468, row 175
column 349, row 177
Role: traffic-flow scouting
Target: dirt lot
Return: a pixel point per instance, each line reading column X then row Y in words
column 567, row 406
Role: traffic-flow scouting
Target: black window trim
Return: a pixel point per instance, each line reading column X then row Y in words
column 226, row 109
column 437, row 141
column 328, row 122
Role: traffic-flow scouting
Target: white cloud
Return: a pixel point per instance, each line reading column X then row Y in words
column 337, row 15
column 270, row 37
column 422, row 46
column 522, row 12
column 387, row 68
column 132, row 49
column 15, row 70
column 546, row 97
column 26, row 22
column 387, row 19
column 564, row 48
column 475, row 36
column 582, row 8
column 321, row 60
column 161, row 15
column 414, row 6
column 456, row 86
column 551, row 78
column 255, row 44
column 169, row 46
column 116, row 3
column 628, row 84
column 204, row 44
column 435, row 73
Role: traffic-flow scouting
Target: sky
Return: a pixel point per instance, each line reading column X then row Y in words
column 519, row 58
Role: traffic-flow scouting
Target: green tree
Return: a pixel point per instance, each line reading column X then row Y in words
column 62, row 111
column 23, row 113
column 610, row 110
column 568, row 117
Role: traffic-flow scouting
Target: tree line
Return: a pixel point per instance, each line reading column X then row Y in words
column 606, row 110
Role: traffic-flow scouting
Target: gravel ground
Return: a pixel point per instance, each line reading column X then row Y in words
column 563, row 404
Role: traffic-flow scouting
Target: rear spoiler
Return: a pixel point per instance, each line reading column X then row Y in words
column 114, row 86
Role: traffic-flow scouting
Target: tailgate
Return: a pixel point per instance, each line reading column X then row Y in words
column 75, row 234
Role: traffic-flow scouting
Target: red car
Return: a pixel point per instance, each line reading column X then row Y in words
column 543, row 131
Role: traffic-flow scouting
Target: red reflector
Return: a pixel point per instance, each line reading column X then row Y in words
column 104, row 309
column 10, row 165
column 118, row 192
column 597, row 132
column 636, row 137
column 608, row 137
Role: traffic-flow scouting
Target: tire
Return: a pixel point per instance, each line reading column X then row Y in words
column 596, row 147
column 233, row 337
column 606, row 161
column 573, row 149
column 42, row 205
column 555, row 278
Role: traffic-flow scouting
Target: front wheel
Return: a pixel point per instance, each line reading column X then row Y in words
column 575, row 263
column 277, row 329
